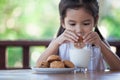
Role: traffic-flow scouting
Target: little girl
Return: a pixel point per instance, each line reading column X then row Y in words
column 79, row 17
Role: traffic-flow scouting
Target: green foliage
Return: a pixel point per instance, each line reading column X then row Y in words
column 112, row 24
column 35, row 52
column 28, row 19
column 14, row 57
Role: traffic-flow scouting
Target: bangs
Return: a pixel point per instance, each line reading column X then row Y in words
column 90, row 6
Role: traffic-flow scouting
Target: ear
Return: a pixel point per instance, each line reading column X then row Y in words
column 62, row 23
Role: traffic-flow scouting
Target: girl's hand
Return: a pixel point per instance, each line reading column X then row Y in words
column 92, row 38
column 67, row 36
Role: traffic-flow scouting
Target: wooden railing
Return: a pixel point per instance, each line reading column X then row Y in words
column 25, row 53
column 26, row 46
column 116, row 44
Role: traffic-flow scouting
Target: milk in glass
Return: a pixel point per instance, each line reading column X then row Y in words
column 80, row 57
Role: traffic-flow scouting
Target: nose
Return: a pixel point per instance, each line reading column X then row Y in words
column 79, row 30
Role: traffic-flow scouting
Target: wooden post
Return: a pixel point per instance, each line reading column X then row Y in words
column 26, row 57
column 118, row 50
column 2, row 57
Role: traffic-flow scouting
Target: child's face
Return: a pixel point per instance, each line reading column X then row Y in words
column 78, row 20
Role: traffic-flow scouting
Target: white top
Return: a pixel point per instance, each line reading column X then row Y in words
column 95, row 64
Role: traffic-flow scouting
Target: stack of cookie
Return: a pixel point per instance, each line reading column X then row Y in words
column 54, row 61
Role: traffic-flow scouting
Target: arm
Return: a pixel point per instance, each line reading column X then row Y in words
column 112, row 59
column 51, row 49
column 66, row 36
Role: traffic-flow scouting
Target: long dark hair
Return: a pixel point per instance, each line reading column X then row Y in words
column 91, row 6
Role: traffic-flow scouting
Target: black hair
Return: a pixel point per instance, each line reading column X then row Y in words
column 91, row 6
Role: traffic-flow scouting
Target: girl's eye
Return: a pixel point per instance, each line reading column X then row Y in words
column 72, row 24
column 86, row 23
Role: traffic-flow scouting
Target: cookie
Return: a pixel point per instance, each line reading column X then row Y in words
column 53, row 58
column 68, row 64
column 80, row 40
column 57, row 64
column 79, row 43
column 43, row 64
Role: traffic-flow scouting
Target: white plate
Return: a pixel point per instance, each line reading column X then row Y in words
column 53, row 70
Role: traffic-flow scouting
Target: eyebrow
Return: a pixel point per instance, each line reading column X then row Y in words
column 82, row 21
column 71, row 21
column 86, row 20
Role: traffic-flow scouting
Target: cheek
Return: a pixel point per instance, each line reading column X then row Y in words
column 86, row 30
column 91, row 28
column 67, row 26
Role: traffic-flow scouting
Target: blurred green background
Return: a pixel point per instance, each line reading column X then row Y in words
column 39, row 20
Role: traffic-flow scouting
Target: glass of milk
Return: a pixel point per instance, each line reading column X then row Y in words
column 80, row 56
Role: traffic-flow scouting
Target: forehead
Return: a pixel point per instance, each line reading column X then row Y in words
column 78, row 14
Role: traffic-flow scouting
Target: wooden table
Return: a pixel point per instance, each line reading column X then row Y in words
column 29, row 75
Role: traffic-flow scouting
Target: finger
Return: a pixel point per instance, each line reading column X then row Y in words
column 70, row 38
column 92, row 40
column 71, row 35
column 88, row 36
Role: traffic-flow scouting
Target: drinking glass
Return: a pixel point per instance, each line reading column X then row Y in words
column 80, row 57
